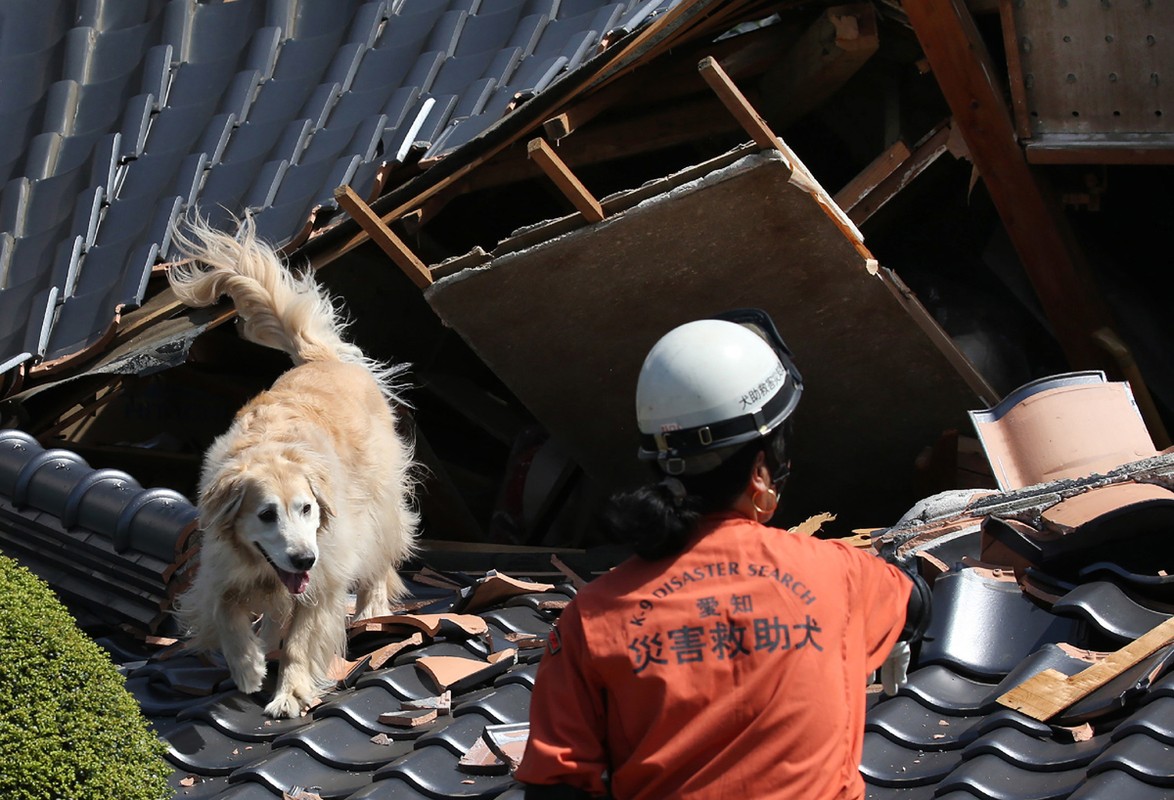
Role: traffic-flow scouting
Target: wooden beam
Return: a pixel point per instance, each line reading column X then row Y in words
column 1048, row 693
column 737, row 104
column 1032, row 218
column 871, row 176
column 830, row 52
column 924, row 153
column 383, row 236
column 565, row 180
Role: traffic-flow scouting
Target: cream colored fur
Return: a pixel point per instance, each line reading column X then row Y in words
column 312, row 469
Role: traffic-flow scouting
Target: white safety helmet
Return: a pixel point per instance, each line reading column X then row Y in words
column 709, row 386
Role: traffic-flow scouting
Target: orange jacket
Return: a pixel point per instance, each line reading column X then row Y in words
column 735, row 669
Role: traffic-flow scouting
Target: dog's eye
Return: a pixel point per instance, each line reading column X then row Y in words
column 267, row 514
column 306, row 509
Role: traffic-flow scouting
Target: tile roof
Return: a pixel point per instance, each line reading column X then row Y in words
column 121, row 116
column 95, row 535
column 944, row 734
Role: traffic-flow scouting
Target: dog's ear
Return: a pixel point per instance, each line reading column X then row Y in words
column 221, row 499
column 318, row 477
column 325, row 507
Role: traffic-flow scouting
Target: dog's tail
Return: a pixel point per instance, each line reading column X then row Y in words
column 276, row 308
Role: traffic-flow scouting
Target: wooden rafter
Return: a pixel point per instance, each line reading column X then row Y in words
column 891, row 172
column 570, row 186
column 383, row 236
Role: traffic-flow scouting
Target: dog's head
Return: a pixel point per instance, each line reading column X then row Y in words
column 272, row 504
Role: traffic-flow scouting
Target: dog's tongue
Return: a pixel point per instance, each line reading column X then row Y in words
column 296, row 582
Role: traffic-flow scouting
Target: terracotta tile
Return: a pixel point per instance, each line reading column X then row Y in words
column 1067, row 426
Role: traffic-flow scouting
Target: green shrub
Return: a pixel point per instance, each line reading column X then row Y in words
column 68, row 727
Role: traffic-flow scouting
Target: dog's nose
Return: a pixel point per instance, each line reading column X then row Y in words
column 302, row 561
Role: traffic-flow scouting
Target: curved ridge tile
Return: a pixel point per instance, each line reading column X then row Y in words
column 523, row 618
column 466, row 648
column 1112, row 611
column 242, row 717
column 393, row 788
column 524, row 674
column 283, row 769
column 506, row 704
column 886, row 763
column 1009, row 718
column 433, row 770
column 362, row 708
column 986, row 627
column 202, row 749
column 1156, row 719
column 992, row 778
column 336, row 743
column 1117, row 785
column 403, row 682
column 1158, row 587
column 911, row 724
column 872, row 792
column 157, row 700
column 1034, row 753
column 457, row 734
column 1144, row 758
column 1164, row 687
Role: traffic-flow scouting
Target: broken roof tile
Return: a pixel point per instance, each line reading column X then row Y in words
column 1064, row 426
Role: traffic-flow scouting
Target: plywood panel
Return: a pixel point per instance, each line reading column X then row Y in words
column 1094, row 67
column 567, row 322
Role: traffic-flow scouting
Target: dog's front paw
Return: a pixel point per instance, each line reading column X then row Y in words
column 248, row 673
column 284, row 705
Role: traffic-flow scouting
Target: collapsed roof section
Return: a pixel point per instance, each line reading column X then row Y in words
column 319, row 102
column 586, row 303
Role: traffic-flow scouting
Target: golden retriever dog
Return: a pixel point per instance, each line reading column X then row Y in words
column 307, row 495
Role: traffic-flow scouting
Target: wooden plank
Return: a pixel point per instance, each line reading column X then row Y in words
column 1015, row 79
column 383, row 236
column 1067, row 148
column 871, row 176
column 1034, row 223
column 571, row 187
column 1093, row 67
column 1048, row 693
column 828, row 53
column 925, row 153
column 737, row 104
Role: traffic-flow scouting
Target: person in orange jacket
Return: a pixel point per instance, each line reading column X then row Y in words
column 726, row 659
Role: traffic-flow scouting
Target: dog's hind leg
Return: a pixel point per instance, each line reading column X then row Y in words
column 371, row 599
column 316, row 635
column 240, row 646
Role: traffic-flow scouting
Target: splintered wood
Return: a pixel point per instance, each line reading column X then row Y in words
column 1050, row 692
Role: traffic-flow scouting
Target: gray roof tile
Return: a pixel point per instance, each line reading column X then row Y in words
column 988, row 626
